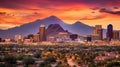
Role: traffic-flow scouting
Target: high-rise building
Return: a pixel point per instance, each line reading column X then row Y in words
column 42, row 33
column 116, row 35
column 98, row 31
column 109, row 33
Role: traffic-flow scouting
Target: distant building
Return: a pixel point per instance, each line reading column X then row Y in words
column 42, row 33
column 98, row 31
column 88, row 38
column 109, row 33
column 30, row 36
column 36, row 38
column 7, row 41
column 95, row 37
column 18, row 39
column 73, row 36
column 0, row 39
column 63, row 37
column 27, row 41
column 116, row 35
column 51, row 39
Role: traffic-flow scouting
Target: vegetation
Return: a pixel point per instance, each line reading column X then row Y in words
column 28, row 60
column 58, row 55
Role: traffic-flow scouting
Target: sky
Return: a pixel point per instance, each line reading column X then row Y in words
column 92, row 12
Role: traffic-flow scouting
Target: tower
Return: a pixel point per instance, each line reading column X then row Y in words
column 109, row 32
column 116, row 35
column 42, row 32
column 98, row 31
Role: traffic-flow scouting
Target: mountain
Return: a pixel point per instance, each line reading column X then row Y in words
column 79, row 28
column 54, row 29
column 30, row 28
column 33, row 27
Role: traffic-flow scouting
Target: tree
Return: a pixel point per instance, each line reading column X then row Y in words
column 28, row 60
column 92, row 65
column 20, row 57
column 50, row 59
column 44, row 64
column 113, row 64
column 37, row 55
column 2, row 65
column 10, row 59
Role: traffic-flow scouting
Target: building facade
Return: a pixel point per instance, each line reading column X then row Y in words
column 116, row 35
column 42, row 32
column 109, row 33
column 98, row 31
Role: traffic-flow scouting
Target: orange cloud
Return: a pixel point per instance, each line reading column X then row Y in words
column 18, row 12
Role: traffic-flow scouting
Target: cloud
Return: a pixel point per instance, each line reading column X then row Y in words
column 116, row 7
column 33, row 4
column 19, row 12
column 109, row 11
column 92, row 17
column 2, row 13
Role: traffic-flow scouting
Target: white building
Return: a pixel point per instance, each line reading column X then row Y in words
column 18, row 38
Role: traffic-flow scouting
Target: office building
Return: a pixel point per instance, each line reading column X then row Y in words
column 116, row 35
column 73, row 36
column 36, row 38
column 18, row 39
column 109, row 33
column 98, row 32
column 42, row 32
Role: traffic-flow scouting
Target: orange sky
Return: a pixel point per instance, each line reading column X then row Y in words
column 17, row 12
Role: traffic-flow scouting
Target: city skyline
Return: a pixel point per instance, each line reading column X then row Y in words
column 92, row 13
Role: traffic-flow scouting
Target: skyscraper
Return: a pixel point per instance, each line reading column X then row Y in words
column 109, row 32
column 98, row 31
column 42, row 33
column 116, row 35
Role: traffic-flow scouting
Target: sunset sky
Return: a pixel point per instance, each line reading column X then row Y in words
column 17, row 12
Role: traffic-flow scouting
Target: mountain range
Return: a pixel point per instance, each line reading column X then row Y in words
column 33, row 28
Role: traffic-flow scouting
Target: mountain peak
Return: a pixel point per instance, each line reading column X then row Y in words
column 52, row 17
column 78, row 22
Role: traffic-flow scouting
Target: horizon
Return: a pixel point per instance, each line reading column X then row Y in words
column 55, row 23
column 97, row 12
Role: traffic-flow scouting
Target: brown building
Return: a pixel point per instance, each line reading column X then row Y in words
column 116, row 35
column 42, row 32
column 98, row 31
column 36, row 38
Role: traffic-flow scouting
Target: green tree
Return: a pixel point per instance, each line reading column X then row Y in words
column 37, row 55
column 44, row 64
column 113, row 64
column 28, row 60
column 20, row 57
column 50, row 59
column 10, row 59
